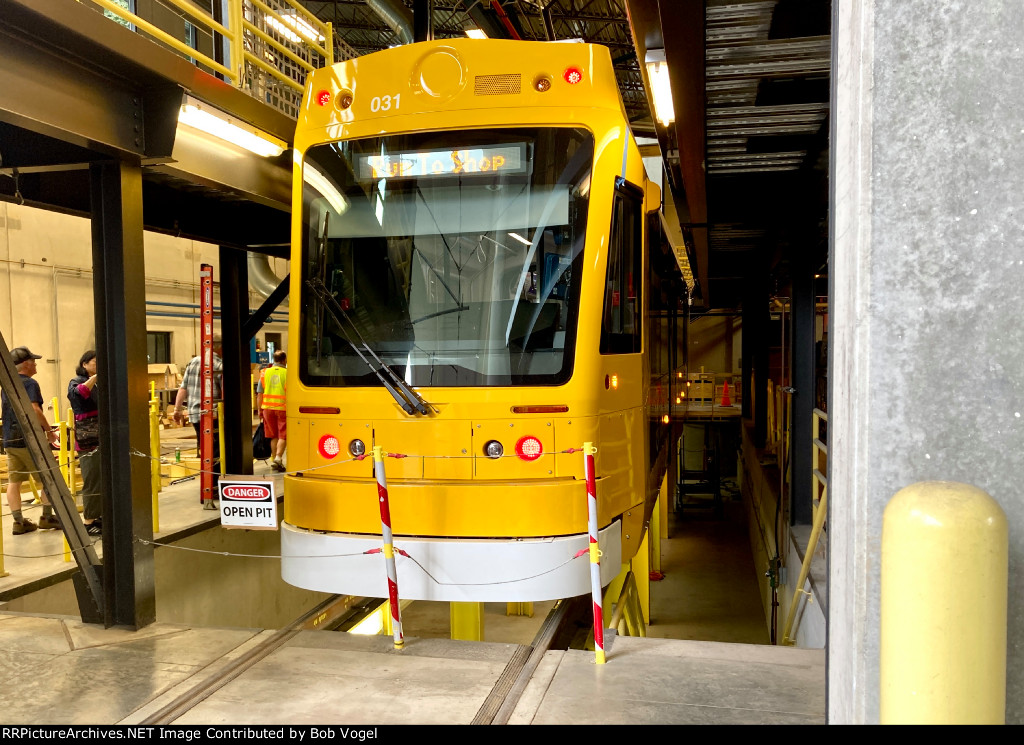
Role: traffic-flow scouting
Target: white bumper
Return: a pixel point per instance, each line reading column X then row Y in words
column 467, row 570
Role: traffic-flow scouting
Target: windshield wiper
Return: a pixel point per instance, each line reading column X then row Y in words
column 321, row 273
column 410, row 401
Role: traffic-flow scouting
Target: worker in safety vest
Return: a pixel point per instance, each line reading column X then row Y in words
column 270, row 398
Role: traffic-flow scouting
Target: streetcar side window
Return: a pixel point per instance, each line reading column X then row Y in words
column 622, row 319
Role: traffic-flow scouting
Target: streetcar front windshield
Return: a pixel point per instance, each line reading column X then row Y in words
column 454, row 258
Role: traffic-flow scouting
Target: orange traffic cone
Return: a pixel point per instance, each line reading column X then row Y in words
column 726, row 401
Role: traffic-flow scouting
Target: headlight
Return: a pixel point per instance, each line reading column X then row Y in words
column 494, row 449
column 357, row 448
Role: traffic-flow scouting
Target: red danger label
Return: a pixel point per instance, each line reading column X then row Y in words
column 245, row 491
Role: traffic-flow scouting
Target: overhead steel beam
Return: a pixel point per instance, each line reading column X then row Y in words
column 77, row 88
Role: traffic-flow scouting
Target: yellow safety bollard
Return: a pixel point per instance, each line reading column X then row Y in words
column 154, row 447
column 63, row 443
column 943, row 606
column 72, row 463
column 467, row 621
column 3, row 572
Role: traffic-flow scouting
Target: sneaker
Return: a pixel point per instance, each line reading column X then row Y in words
column 23, row 526
column 278, row 466
column 49, row 522
column 94, row 528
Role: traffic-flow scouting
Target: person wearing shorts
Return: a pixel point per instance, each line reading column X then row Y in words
column 19, row 462
column 270, row 399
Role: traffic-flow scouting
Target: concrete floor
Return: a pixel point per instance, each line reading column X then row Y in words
column 706, row 659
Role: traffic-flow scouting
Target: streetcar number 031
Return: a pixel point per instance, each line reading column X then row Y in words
column 385, row 103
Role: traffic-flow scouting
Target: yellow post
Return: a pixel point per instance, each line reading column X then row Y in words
column 944, row 573
column 63, row 435
column 3, row 572
column 519, row 609
column 154, row 447
column 220, row 434
column 467, row 621
column 72, row 462
column 237, row 41
column 664, row 496
column 614, row 589
column 642, row 576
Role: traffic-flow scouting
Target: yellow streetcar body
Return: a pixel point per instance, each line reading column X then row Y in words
column 500, row 314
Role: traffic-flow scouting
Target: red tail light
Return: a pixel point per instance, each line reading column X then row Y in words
column 329, row 446
column 529, row 448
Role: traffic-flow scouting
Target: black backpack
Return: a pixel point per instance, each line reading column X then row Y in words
column 260, row 444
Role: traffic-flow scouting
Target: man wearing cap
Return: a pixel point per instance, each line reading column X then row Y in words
column 191, row 391
column 19, row 462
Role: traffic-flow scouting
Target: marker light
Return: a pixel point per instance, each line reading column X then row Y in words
column 553, row 409
column 494, row 449
column 664, row 419
column 357, row 447
column 323, row 97
column 573, row 75
column 529, row 448
column 319, row 410
column 542, row 84
column 329, row 446
column 344, row 100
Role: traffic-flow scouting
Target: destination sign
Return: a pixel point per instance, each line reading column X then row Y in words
column 426, row 163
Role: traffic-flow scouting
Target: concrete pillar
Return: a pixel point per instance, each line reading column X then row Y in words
column 927, row 343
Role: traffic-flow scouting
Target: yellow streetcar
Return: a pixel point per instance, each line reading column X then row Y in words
column 469, row 293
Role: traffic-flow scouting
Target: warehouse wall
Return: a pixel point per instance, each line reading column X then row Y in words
column 46, row 290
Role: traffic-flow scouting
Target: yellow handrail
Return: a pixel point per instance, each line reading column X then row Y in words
column 267, row 10
column 240, row 27
column 628, row 618
column 167, row 39
column 817, row 523
column 272, row 71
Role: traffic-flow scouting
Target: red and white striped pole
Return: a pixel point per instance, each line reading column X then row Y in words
column 389, row 548
column 595, row 554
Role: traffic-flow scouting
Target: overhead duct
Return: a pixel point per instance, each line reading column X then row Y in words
column 395, row 15
column 262, row 278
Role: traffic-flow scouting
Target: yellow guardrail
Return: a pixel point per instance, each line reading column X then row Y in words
column 628, row 618
column 278, row 38
column 819, row 498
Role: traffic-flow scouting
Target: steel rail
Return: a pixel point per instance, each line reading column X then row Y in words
column 497, row 708
column 319, row 617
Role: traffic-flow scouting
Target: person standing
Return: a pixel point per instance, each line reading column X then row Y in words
column 83, row 396
column 19, row 461
column 191, row 391
column 270, row 400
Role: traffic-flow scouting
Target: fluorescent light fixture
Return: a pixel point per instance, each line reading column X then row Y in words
column 520, row 238
column 476, row 33
column 294, row 28
column 661, row 87
column 219, row 124
column 327, row 190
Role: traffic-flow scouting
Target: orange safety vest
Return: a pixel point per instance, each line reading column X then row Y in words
column 274, row 380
